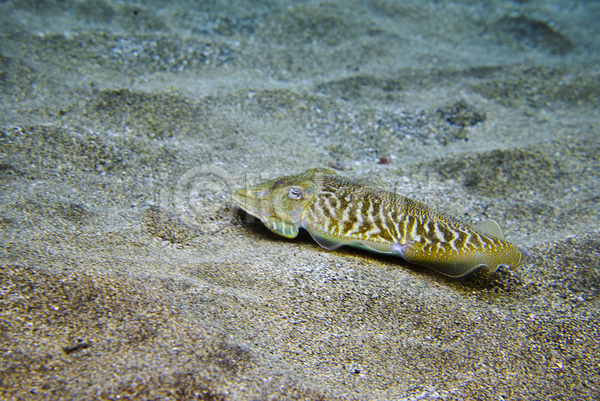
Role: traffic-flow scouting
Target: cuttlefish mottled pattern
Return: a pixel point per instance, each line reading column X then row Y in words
column 337, row 211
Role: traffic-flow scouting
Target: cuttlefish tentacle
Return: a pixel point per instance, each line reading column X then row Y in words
column 337, row 211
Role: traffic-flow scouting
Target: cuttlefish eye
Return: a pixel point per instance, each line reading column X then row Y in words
column 295, row 193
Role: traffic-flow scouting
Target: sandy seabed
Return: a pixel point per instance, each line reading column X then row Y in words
column 126, row 272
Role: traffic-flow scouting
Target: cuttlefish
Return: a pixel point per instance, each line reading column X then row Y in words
column 337, row 211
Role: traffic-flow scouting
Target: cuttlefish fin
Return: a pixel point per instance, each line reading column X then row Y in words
column 330, row 242
column 326, row 241
column 413, row 252
column 490, row 227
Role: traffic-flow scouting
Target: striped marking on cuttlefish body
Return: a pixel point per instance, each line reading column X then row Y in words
column 337, row 211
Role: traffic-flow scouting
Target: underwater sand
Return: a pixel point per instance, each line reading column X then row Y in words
column 127, row 272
